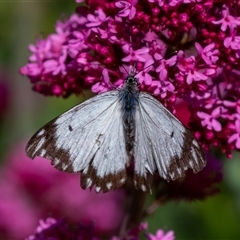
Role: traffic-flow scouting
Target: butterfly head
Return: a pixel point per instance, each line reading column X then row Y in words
column 131, row 80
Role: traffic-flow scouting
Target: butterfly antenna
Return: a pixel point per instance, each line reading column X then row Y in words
column 125, row 69
column 133, row 70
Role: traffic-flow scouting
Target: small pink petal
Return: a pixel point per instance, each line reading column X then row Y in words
column 209, row 47
column 200, row 76
column 163, row 74
column 202, row 115
column 199, row 48
column 238, row 142
column 148, row 79
column 189, row 79
column 210, row 72
column 216, row 112
column 142, row 51
column 216, row 125
column 233, row 138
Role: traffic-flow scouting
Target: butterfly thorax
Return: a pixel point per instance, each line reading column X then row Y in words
column 129, row 97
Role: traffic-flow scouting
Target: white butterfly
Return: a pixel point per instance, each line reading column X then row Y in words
column 103, row 135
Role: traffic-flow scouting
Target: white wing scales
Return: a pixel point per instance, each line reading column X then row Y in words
column 90, row 138
column 162, row 143
column 84, row 139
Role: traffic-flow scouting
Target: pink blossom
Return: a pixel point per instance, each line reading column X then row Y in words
column 56, row 229
column 160, row 2
column 103, row 86
column 96, row 19
column 161, row 235
column 18, row 214
column 188, row 69
column 135, row 55
column 164, row 66
column 227, row 20
column 128, row 8
column 193, row 57
column 209, row 53
column 236, row 136
column 55, row 67
column 143, row 76
column 30, row 190
column 40, row 50
column 174, row 2
column 52, row 229
column 162, row 88
column 193, row 75
column 77, row 44
column 233, row 42
column 210, row 120
column 32, row 70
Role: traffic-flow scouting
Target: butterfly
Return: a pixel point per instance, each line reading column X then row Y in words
column 104, row 135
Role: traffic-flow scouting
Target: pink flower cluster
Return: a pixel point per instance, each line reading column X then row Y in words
column 31, row 190
column 182, row 49
column 61, row 229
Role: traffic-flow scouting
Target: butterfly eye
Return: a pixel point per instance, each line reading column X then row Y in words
column 131, row 80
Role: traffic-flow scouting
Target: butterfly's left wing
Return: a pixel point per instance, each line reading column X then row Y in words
column 87, row 138
column 162, row 144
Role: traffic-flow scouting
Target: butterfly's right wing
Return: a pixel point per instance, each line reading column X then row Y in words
column 87, row 138
column 162, row 144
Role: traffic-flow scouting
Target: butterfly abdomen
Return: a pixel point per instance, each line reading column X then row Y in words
column 129, row 97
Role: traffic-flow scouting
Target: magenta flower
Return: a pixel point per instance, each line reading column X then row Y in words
column 160, row 235
column 233, row 42
column 162, row 88
column 209, row 120
column 190, row 71
column 160, row 2
column 96, row 19
column 128, row 9
column 164, row 67
column 144, row 76
column 139, row 55
column 18, row 214
column 30, row 190
column 103, row 86
column 61, row 229
column 209, row 53
column 236, row 136
column 227, row 20
column 92, row 48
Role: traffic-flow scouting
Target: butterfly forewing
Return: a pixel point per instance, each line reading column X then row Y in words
column 84, row 139
column 162, row 143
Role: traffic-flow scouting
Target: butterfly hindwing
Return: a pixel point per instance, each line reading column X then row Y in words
column 162, row 143
column 84, row 139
